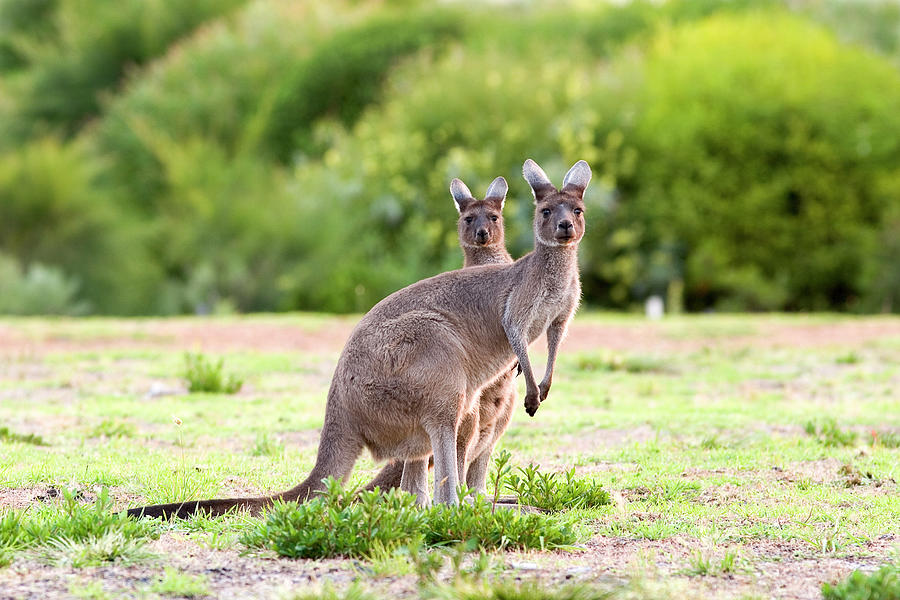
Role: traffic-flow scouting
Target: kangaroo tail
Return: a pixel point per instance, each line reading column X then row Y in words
column 338, row 451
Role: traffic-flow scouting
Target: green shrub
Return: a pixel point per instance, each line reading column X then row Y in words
column 39, row 291
column 766, row 152
column 56, row 212
column 205, row 376
column 344, row 74
column 87, row 52
column 883, row 584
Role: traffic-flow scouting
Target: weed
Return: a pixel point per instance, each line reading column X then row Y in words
column 554, row 491
column 883, row 584
column 18, row 438
column 204, row 375
column 354, row 592
column 329, row 525
column 180, row 585
column 91, row 590
column 827, row 433
column 109, row 428
column 267, row 446
column 885, row 439
column 703, row 562
column 93, row 551
column 850, row 358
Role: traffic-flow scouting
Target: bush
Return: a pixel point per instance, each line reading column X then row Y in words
column 765, row 154
column 88, row 51
column 56, row 212
column 39, row 291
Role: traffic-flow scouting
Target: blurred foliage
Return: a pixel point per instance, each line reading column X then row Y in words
column 166, row 157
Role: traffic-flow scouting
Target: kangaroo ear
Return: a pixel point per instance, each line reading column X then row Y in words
column 497, row 191
column 578, row 177
column 461, row 194
column 536, row 178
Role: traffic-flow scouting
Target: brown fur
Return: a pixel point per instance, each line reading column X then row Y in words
column 416, row 363
column 482, row 239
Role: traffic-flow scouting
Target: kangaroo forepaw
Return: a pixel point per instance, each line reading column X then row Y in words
column 531, row 404
column 544, row 389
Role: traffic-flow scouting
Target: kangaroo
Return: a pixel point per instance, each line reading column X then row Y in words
column 416, row 363
column 481, row 237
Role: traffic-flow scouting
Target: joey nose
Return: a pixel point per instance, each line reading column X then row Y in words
column 481, row 235
column 565, row 225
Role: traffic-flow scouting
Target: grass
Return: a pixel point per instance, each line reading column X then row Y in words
column 330, row 525
column 12, row 437
column 176, row 584
column 699, row 452
column 204, row 375
column 883, row 584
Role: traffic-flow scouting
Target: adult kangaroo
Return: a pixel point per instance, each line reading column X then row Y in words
column 416, row 363
column 482, row 239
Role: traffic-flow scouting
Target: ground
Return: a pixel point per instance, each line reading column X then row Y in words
column 746, row 456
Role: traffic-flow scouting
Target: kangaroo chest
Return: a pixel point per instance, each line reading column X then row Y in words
column 550, row 303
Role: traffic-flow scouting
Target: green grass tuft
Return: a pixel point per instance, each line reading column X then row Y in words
column 177, row 584
column 110, row 428
column 204, row 375
column 828, row 433
column 18, row 438
column 883, row 584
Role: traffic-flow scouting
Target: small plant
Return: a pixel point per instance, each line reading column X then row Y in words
column 204, row 375
column 110, row 428
column 704, row 563
column 177, row 584
column 828, row 433
column 18, row 438
column 555, row 491
column 850, row 358
column 330, row 525
column 885, row 439
column 883, row 584
column 266, row 446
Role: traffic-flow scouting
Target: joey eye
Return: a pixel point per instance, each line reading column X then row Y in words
column 494, row 218
column 546, row 212
column 469, row 220
column 577, row 211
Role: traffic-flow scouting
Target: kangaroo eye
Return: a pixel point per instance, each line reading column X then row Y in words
column 578, row 211
column 469, row 220
column 494, row 218
column 546, row 212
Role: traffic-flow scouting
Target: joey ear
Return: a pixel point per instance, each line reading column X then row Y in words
column 536, row 178
column 578, row 177
column 461, row 194
column 497, row 191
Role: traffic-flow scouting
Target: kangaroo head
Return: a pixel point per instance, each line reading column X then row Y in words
column 480, row 221
column 558, row 213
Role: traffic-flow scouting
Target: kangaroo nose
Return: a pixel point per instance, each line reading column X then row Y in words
column 565, row 225
column 481, row 234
